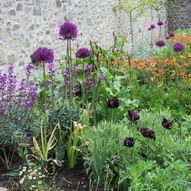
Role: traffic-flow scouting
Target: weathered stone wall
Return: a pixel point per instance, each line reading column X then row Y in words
column 27, row 24
column 179, row 14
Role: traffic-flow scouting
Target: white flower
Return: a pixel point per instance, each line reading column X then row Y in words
column 24, row 169
column 20, row 173
column 30, row 177
column 34, row 178
column 21, row 181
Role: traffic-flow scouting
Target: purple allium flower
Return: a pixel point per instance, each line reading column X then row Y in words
column 74, row 69
column 113, row 103
column 160, row 43
column 160, row 23
column 83, row 53
column 152, row 26
column 90, row 83
column 102, row 77
column 145, row 132
column 167, row 124
column 178, row 47
column 29, row 70
column 51, row 68
column 171, row 34
column 133, row 115
column 129, row 142
column 48, row 83
column 43, row 55
column 68, row 31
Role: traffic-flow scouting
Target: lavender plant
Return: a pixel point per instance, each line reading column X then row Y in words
column 17, row 101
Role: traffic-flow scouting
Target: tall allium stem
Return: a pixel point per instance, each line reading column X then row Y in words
column 131, row 28
column 45, row 106
column 83, row 80
column 69, row 61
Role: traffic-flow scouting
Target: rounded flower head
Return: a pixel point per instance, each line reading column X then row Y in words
column 113, row 103
column 145, row 132
column 129, row 142
column 68, row 30
column 160, row 43
column 160, row 23
column 152, row 26
column 133, row 115
column 171, row 34
column 178, row 47
column 167, row 124
column 83, row 53
column 43, row 55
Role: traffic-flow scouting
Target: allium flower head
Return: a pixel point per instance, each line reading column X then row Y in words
column 160, row 43
column 145, row 132
column 171, row 34
column 43, row 55
column 178, row 47
column 167, row 124
column 68, row 31
column 160, row 23
column 129, row 142
column 83, row 53
column 113, row 103
column 133, row 115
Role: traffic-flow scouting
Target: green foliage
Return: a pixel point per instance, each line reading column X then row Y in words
column 111, row 164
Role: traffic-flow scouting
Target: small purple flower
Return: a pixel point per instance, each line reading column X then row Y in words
column 160, row 23
column 145, row 132
column 83, row 53
column 167, row 124
column 149, row 29
column 133, row 115
column 102, row 77
column 68, row 31
column 178, row 47
column 152, row 26
column 11, row 70
column 160, row 43
column 29, row 69
column 43, row 55
column 22, row 87
column 89, row 67
column 51, row 68
column 74, row 69
column 129, row 142
column 90, row 83
column 171, row 34
column 66, row 73
column 48, row 83
column 113, row 103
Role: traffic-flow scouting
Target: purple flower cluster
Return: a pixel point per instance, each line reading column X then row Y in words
column 160, row 43
column 51, row 68
column 23, row 97
column 43, row 55
column 113, row 103
column 68, row 30
column 29, row 69
column 83, row 53
column 152, row 26
column 178, row 47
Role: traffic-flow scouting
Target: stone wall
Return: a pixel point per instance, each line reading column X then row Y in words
column 179, row 14
column 27, row 24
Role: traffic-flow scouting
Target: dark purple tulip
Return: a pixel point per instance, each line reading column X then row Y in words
column 83, row 53
column 178, row 47
column 129, row 142
column 167, row 124
column 68, row 31
column 133, row 115
column 160, row 23
column 160, row 43
column 145, row 132
column 152, row 26
column 113, row 103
